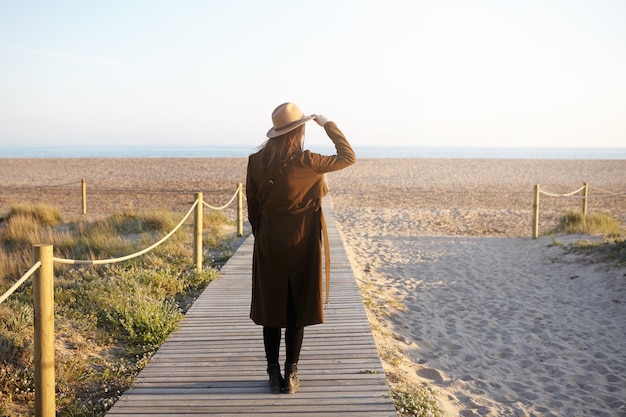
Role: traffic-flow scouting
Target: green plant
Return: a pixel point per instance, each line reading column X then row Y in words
column 612, row 247
column 378, row 302
column 609, row 250
column 390, row 354
column 615, row 251
column 215, row 224
column 16, row 320
column 416, row 402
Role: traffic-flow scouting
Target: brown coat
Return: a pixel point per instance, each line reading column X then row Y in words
column 286, row 223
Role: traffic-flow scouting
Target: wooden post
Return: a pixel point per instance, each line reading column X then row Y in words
column 240, row 210
column 43, row 299
column 585, row 195
column 198, row 218
column 536, row 213
column 84, row 192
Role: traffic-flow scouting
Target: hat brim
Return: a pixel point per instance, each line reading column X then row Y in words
column 272, row 133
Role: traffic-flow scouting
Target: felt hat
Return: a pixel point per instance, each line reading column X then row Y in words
column 286, row 118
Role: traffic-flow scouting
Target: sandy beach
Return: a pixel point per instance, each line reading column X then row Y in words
column 497, row 323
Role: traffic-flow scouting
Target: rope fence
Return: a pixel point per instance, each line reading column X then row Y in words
column 225, row 205
column 43, row 295
column 127, row 257
column 70, row 187
column 20, row 281
column 135, row 191
column 584, row 197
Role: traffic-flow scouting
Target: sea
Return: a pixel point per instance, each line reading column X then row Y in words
column 361, row 152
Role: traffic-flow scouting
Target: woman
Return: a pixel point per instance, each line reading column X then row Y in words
column 284, row 189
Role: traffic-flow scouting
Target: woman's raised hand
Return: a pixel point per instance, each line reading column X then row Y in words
column 320, row 119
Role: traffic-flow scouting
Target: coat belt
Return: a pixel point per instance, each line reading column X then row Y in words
column 326, row 254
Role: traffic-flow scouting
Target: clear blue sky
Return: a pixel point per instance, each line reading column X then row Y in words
column 419, row 73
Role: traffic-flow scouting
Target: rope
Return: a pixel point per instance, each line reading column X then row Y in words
column 599, row 196
column 73, row 186
column 155, row 191
column 601, row 190
column 571, row 195
column 610, row 195
column 562, row 195
column 225, row 205
column 70, row 185
column 20, row 281
column 127, row 257
column 607, row 193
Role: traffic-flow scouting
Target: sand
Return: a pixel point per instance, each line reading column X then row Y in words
column 497, row 323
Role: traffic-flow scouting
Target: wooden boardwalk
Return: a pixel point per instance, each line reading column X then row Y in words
column 214, row 364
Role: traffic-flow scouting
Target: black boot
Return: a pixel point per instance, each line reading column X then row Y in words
column 291, row 380
column 276, row 379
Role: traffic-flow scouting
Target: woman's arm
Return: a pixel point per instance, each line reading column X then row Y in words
column 345, row 155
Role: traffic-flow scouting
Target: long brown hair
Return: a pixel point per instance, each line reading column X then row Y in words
column 277, row 151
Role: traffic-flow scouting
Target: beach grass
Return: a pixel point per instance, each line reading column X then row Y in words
column 593, row 223
column 612, row 250
column 109, row 319
column 612, row 246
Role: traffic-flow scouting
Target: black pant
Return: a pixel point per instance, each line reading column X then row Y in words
column 293, row 336
column 293, row 343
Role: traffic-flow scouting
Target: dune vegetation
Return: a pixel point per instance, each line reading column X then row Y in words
column 109, row 319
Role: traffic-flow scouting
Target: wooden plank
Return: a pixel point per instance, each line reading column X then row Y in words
column 214, row 364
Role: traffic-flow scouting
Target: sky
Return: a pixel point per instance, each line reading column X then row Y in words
column 445, row 73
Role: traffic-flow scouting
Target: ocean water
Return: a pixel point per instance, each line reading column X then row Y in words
column 362, row 152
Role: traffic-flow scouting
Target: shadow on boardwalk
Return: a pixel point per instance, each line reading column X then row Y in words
column 215, row 363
